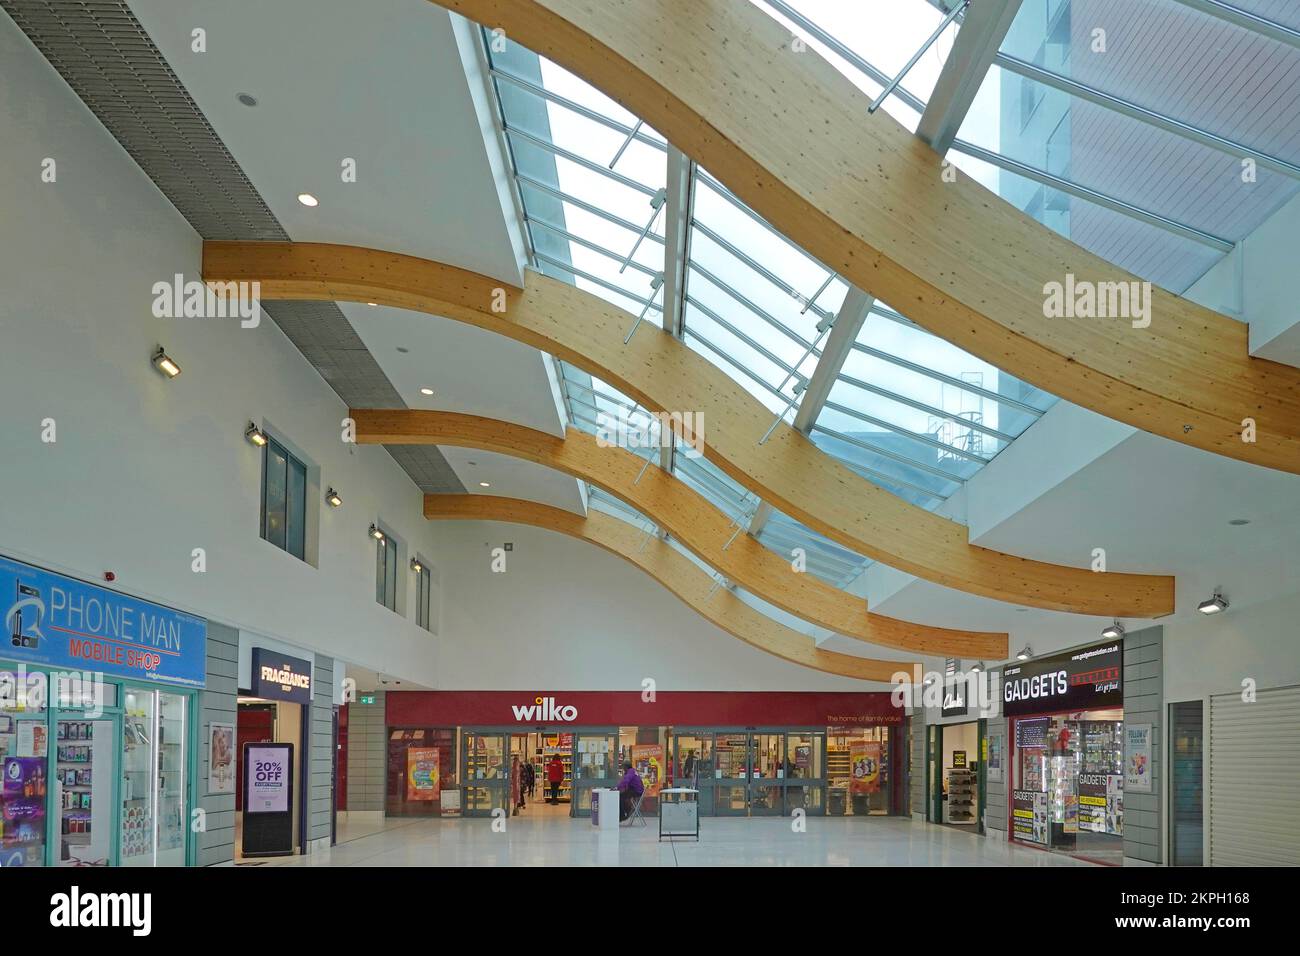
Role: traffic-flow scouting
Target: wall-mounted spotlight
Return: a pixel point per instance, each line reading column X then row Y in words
column 255, row 435
column 1113, row 632
column 929, row 681
column 376, row 533
column 416, row 566
column 165, row 364
column 1214, row 605
column 333, row 498
column 1025, row 654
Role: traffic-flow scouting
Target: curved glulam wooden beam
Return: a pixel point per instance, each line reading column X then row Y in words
column 687, row 516
column 665, row 375
column 792, row 138
column 674, row 571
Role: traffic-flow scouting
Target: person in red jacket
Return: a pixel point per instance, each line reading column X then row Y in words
column 555, row 776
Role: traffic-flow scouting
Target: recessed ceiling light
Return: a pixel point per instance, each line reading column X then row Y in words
column 426, row 391
column 485, row 484
column 373, row 305
column 248, row 99
column 1238, row 522
column 471, row 463
column 307, row 199
column 403, row 349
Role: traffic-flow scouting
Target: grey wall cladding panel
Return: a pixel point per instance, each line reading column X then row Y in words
column 108, row 59
column 367, row 752
column 320, row 781
column 995, row 791
column 1143, row 704
column 916, row 770
column 216, row 843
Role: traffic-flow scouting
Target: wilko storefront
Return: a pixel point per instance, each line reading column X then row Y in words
column 1066, row 733
column 748, row 753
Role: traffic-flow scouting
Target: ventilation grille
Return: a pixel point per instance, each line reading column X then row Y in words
column 108, row 59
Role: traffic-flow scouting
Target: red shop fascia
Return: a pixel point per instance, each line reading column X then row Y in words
column 698, row 709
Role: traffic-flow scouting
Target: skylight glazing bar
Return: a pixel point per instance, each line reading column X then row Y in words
column 581, row 274
column 842, row 51
column 907, row 67
column 580, row 204
column 946, row 379
column 588, row 244
column 886, row 453
column 900, row 430
column 765, row 272
column 761, row 350
column 1132, row 110
column 582, row 161
column 983, row 29
column 1247, row 20
column 1091, row 195
column 924, row 407
column 740, row 297
column 578, row 108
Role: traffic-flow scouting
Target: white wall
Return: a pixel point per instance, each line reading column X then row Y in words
column 144, row 470
column 567, row 615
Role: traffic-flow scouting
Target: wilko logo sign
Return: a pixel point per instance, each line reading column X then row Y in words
column 544, row 710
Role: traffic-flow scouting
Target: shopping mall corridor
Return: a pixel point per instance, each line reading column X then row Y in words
column 757, row 841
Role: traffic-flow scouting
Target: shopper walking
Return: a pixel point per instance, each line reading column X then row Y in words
column 555, row 777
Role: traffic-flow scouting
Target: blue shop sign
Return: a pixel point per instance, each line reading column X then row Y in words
column 66, row 624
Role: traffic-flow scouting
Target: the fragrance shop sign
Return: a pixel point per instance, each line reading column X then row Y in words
column 277, row 676
column 1086, row 679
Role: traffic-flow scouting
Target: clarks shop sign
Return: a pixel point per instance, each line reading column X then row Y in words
column 277, row 676
column 1086, row 679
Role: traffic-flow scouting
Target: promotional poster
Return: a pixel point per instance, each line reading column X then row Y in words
column 268, row 781
column 648, row 759
column 864, row 764
column 422, row 781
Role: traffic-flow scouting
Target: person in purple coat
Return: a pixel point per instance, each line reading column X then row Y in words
column 629, row 788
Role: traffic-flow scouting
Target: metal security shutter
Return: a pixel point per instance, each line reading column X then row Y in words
column 1254, row 779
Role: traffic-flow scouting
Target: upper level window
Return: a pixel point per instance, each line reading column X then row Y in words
column 424, row 603
column 284, row 500
column 386, row 572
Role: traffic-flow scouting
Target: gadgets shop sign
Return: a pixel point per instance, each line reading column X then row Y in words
column 1085, row 679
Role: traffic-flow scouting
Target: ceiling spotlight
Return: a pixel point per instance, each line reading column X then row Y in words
column 248, row 99
column 485, row 484
column 426, row 390
column 164, row 364
column 376, row 533
column 333, row 498
column 416, row 566
column 1214, row 605
column 307, row 199
column 977, row 667
column 255, row 434
column 1025, row 654
column 1113, row 632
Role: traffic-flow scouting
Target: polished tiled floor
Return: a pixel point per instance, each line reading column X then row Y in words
column 556, row 840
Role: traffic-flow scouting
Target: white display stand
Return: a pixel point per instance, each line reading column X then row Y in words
column 679, row 813
column 604, row 811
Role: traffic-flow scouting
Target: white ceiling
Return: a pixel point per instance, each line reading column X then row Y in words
column 392, row 93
